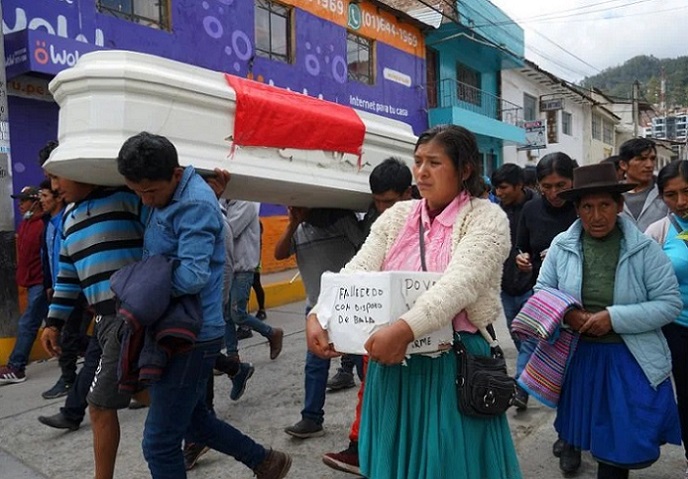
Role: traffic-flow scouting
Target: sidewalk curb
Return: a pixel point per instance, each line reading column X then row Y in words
column 279, row 294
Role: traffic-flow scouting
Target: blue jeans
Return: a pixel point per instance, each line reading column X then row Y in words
column 29, row 322
column 351, row 361
column 512, row 305
column 178, row 409
column 231, row 341
column 316, row 371
column 238, row 300
column 315, row 378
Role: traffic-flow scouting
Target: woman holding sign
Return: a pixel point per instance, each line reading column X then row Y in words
column 411, row 425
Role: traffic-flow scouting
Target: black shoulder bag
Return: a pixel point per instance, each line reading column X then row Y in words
column 483, row 386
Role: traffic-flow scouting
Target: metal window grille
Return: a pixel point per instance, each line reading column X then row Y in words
column 359, row 55
column 468, row 85
column 152, row 13
column 273, row 31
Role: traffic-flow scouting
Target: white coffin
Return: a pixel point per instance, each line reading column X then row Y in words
column 352, row 306
column 109, row 96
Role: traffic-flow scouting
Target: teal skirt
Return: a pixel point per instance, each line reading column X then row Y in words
column 411, row 427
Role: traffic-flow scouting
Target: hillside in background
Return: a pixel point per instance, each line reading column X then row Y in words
column 618, row 81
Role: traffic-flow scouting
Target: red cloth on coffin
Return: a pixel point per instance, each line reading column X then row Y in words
column 275, row 117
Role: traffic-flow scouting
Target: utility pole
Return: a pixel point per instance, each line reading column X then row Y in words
column 8, row 260
column 636, row 109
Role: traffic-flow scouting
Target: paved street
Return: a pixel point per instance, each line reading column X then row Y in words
column 29, row 450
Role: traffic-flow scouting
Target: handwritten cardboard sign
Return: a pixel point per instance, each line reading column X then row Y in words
column 352, row 306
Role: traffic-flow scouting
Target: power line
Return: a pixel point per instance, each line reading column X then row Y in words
column 583, row 7
column 588, row 20
column 564, row 14
column 508, row 33
column 566, row 51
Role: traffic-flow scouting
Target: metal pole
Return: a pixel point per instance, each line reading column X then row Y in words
column 636, row 109
column 8, row 260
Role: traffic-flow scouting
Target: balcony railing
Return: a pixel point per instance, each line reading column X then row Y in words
column 449, row 92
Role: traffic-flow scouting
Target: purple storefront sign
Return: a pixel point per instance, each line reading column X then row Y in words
column 220, row 35
column 37, row 51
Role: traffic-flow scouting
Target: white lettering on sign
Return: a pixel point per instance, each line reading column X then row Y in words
column 59, row 27
column 44, row 54
column 377, row 107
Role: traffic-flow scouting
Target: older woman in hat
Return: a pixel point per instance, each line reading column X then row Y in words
column 617, row 400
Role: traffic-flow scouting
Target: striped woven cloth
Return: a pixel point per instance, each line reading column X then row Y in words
column 541, row 319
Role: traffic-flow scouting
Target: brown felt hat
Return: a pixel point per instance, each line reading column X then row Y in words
column 590, row 179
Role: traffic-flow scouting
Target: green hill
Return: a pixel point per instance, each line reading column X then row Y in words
column 618, row 81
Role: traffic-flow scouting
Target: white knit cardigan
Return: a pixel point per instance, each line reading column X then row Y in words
column 480, row 245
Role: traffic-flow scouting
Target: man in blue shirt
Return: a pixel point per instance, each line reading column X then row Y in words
column 186, row 225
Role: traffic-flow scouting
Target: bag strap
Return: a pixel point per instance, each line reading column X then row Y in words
column 678, row 228
column 421, row 235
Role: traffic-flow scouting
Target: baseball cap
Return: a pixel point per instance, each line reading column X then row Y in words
column 27, row 193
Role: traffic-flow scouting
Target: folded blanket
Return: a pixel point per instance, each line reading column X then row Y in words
column 541, row 319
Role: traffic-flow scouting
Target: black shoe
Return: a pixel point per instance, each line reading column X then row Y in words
column 557, row 447
column 239, row 381
column 59, row 421
column 570, row 459
column 261, row 315
column 305, row 428
column 244, row 333
column 193, row 451
column 342, row 380
column 61, row 388
column 520, row 399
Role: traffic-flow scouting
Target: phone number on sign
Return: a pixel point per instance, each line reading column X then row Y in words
column 379, row 24
column 334, row 6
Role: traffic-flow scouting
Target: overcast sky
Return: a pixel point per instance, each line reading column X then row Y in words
column 602, row 33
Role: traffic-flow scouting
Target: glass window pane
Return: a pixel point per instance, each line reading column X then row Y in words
column 359, row 58
column 273, row 30
column 123, row 6
column 262, row 24
column 147, row 9
column 279, row 35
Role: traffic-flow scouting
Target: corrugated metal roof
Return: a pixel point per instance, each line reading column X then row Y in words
column 428, row 15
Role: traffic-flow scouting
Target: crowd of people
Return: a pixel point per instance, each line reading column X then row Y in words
column 610, row 236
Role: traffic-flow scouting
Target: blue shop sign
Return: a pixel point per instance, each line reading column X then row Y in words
column 39, row 52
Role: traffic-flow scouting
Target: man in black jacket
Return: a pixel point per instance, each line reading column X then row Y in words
column 508, row 183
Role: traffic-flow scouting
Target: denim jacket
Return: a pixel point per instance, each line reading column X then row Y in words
column 646, row 295
column 190, row 229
